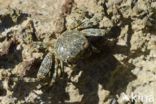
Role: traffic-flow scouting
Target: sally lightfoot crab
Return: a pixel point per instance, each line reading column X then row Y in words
column 70, row 47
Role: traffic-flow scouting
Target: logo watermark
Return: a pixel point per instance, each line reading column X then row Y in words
column 134, row 97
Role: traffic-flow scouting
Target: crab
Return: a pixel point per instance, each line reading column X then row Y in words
column 71, row 46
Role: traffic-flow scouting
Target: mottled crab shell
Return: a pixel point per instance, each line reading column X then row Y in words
column 71, row 46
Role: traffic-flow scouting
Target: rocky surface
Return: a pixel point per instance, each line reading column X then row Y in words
column 123, row 72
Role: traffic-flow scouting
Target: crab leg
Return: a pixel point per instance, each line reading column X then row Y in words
column 62, row 67
column 56, row 72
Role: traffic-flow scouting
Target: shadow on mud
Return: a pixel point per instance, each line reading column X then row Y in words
column 99, row 69
column 11, row 58
column 102, row 70
column 14, row 18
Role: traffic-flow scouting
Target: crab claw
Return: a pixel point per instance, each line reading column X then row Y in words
column 45, row 67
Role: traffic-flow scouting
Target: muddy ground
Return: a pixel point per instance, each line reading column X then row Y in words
column 123, row 72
